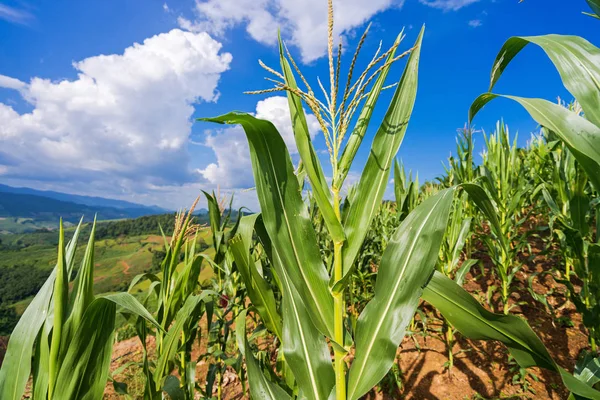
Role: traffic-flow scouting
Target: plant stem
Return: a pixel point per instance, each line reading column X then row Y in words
column 339, row 308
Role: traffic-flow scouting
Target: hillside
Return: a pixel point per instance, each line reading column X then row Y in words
column 79, row 199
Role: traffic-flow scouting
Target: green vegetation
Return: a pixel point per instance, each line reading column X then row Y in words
column 324, row 284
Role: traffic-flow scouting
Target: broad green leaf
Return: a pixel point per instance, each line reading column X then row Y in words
column 171, row 340
column 580, row 135
column 360, row 129
column 310, row 161
column 304, row 347
column 84, row 371
column 576, row 60
column 475, row 322
column 260, row 387
column 260, row 293
column 405, row 267
column 375, row 176
column 286, row 216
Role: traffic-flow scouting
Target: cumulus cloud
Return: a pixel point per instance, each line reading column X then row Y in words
column 125, row 119
column 303, row 22
column 448, row 5
column 233, row 167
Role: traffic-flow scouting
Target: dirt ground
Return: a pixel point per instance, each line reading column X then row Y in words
column 481, row 369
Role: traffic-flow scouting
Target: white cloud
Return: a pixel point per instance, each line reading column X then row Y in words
column 124, row 122
column 303, row 22
column 11, row 83
column 475, row 23
column 233, row 168
column 448, row 5
column 15, row 15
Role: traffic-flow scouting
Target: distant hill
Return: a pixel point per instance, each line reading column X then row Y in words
column 85, row 200
column 46, row 209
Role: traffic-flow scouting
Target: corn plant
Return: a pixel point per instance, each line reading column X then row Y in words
column 314, row 301
column 406, row 190
column 227, row 283
column 69, row 334
column 179, row 308
column 452, row 262
column 502, row 178
column 575, row 60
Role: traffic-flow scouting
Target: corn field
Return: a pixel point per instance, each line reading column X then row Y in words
column 312, row 297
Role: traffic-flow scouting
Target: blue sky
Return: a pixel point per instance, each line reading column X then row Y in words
column 99, row 97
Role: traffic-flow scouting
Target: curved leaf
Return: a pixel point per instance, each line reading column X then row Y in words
column 576, row 60
column 286, row 216
column 475, row 322
column 580, row 135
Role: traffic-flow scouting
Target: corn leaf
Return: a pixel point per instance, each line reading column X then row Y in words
column 375, row 176
column 310, row 161
column 286, row 216
column 260, row 386
column 171, row 340
column 576, row 60
column 473, row 321
column 406, row 265
column 304, row 347
column 595, row 6
column 131, row 305
column 260, row 293
column 84, row 371
column 580, row 135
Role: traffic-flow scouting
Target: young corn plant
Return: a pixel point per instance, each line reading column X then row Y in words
column 575, row 60
column 227, row 283
column 315, row 301
column 69, row 334
column 179, row 307
column 452, row 261
column 502, row 178
column 406, row 190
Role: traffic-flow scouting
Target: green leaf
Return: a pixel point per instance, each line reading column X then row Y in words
column 260, row 387
column 304, row 347
column 576, row 60
column 375, row 176
column 473, row 321
column 171, row 340
column 260, row 293
column 84, row 371
column 310, row 161
column 580, row 135
column 405, row 267
column 286, row 216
